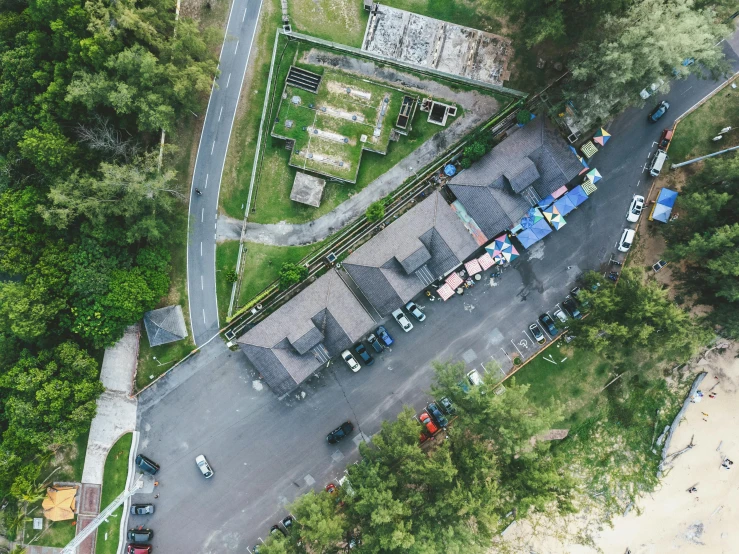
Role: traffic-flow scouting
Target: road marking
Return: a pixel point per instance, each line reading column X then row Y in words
column 202, row 215
column 638, row 182
column 514, row 344
column 213, row 147
column 237, row 45
column 206, row 180
column 216, row 226
column 228, row 80
column 203, row 316
column 220, row 114
column 201, row 248
column 506, row 355
column 243, row 18
column 201, row 283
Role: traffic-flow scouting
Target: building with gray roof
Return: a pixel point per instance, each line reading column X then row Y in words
column 165, row 325
column 500, row 188
column 310, row 329
column 424, row 244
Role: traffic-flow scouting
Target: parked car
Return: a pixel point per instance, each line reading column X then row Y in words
column 138, row 549
column 350, row 361
column 346, row 485
column 140, row 535
column 635, row 209
column 659, row 265
column 437, row 416
column 415, row 310
column 548, row 324
column 362, row 353
column 664, row 139
column 277, row 530
column 374, row 343
column 204, row 466
column 447, row 407
column 536, row 332
column 575, row 292
column 142, row 509
column 287, row 523
column 147, row 465
column 658, row 111
column 340, row 432
column 402, row 320
column 474, row 378
column 651, row 89
column 571, row 307
column 560, row 316
column 384, row 336
column 627, row 238
column 426, row 422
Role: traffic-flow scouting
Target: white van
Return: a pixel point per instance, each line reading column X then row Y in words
column 657, row 162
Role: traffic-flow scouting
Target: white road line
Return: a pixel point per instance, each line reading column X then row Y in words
column 638, row 182
column 516, row 347
column 228, row 80
column 202, row 215
column 482, row 365
column 506, row 355
column 216, row 226
column 237, row 45
column 220, row 113
column 206, row 180
column 213, row 147
column 204, row 316
column 243, row 18
column 201, row 248
column 201, row 283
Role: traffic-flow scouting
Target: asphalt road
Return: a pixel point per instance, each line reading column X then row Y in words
column 219, row 118
column 265, row 452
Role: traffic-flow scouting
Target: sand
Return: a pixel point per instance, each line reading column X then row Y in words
column 672, row 519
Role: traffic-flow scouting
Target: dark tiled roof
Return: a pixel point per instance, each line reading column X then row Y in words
column 430, row 234
column 165, row 325
column 269, row 365
column 521, row 174
column 308, row 340
column 483, row 208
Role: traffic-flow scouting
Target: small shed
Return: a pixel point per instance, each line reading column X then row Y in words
column 165, row 325
column 307, row 189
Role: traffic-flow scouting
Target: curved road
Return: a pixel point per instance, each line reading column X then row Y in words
column 211, row 156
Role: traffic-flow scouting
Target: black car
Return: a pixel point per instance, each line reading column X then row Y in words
column 147, row 465
column 548, row 324
column 340, row 432
column 287, row 523
column 140, row 535
column 142, row 509
column 439, row 417
column 362, row 353
column 276, row 529
column 571, row 308
column 385, row 337
column 658, row 111
column 576, row 295
column 374, row 343
column 447, row 407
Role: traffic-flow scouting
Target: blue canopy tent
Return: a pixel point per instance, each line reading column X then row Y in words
column 564, row 205
column 577, row 195
column 450, row 170
column 535, row 233
column 545, row 202
column 663, row 207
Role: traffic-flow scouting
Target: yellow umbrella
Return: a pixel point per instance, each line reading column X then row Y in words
column 59, row 503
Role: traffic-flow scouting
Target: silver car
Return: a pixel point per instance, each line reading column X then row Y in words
column 402, row 320
column 635, row 209
column 204, row 466
column 415, row 310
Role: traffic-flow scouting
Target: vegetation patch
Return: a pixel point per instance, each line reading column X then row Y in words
column 341, row 21
column 114, row 481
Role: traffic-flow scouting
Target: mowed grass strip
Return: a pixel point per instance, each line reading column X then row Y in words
column 114, row 481
column 341, row 21
column 694, row 133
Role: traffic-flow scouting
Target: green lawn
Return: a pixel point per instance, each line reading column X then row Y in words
column 341, row 21
column 694, row 133
column 114, row 481
column 262, row 265
column 226, row 256
column 166, row 356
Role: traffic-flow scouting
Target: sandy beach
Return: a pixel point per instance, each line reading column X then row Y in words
column 672, row 519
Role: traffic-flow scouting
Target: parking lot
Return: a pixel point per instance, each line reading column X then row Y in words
column 266, row 451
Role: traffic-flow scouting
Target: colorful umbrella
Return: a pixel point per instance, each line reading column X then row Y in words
column 511, row 254
column 577, row 195
column 454, row 280
column 445, row 291
column 579, row 157
column 593, row 175
column 564, row 205
column 602, row 136
column 473, row 267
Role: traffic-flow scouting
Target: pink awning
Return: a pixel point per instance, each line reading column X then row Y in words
column 560, row 191
column 486, row 261
column 445, row 291
column 472, row 267
column 453, row 280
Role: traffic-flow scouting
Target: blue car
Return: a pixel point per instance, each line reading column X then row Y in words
column 658, row 112
column 385, row 337
column 441, row 420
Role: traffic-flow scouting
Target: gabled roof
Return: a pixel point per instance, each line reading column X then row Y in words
column 165, row 325
column 396, row 264
column 533, row 158
column 293, row 342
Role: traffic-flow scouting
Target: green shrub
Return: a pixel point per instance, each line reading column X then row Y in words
column 375, row 211
column 291, row 274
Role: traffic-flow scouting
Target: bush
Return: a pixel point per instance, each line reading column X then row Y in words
column 517, row 361
column 465, row 163
column 523, row 117
column 291, row 274
column 232, row 276
column 475, row 151
column 375, row 211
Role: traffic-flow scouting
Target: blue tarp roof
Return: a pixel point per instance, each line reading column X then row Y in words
column 667, row 197
column 577, row 195
column 662, row 213
column 564, row 205
column 547, row 201
column 538, row 231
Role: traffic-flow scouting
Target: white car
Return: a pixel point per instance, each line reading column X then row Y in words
column 627, row 238
column 415, row 310
column 474, row 378
column 402, row 320
column 350, row 361
column 561, row 316
column 204, row 466
column 637, row 205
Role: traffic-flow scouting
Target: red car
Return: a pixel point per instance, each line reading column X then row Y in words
column 426, row 422
column 665, row 139
column 138, row 549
